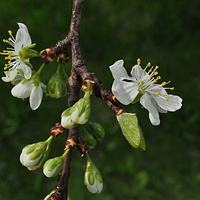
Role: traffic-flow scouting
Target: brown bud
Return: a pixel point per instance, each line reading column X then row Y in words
column 71, row 142
column 56, row 130
column 48, row 54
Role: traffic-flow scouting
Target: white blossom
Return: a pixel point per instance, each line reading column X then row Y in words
column 142, row 86
column 16, row 64
column 29, row 88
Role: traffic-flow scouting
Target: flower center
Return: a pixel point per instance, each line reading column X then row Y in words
column 147, row 82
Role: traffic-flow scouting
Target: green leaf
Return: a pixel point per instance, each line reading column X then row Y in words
column 131, row 130
column 142, row 141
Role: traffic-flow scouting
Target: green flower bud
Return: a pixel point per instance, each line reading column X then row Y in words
column 80, row 111
column 131, row 130
column 92, row 178
column 88, row 137
column 66, row 121
column 27, row 52
column 57, row 86
column 53, row 166
column 33, row 155
column 96, row 129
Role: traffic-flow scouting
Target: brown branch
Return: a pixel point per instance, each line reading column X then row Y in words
column 79, row 73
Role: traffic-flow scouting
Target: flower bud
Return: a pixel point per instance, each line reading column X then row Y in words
column 131, row 130
column 33, row 155
column 88, row 137
column 66, row 121
column 57, row 86
column 53, row 166
column 92, row 178
column 96, row 129
column 80, row 111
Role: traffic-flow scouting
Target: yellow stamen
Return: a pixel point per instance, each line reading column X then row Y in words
column 133, row 68
column 148, row 64
column 4, row 40
column 172, row 88
column 156, row 73
column 138, row 61
column 10, row 32
column 166, row 99
column 165, row 83
column 157, row 93
column 158, row 77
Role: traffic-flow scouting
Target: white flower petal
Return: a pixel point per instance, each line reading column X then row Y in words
column 92, row 188
column 118, row 71
column 22, row 90
column 125, row 92
column 153, row 112
column 137, row 72
column 36, row 97
column 23, row 38
column 172, row 104
column 26, row 69
column 10, row 75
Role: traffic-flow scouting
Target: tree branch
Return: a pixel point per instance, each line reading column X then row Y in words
column 79, row 73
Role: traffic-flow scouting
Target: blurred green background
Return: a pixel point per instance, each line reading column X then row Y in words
column 166, row 33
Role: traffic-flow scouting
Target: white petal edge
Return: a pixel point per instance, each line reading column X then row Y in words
column 118, row 71
column 153, row 112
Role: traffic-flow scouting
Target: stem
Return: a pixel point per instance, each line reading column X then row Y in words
column 73, row 91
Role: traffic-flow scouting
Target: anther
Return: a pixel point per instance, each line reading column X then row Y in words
column 166, row 99
column 156, row 73
column 10, row 32
column 172, row 88
column 157, row 93
column 138, row 61
column 133, row 68
column 148, row 64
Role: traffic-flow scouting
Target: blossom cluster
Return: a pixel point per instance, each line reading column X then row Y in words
column 140, row 86
column 20, row 72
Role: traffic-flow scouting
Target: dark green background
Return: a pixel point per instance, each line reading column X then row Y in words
column 167, row 33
